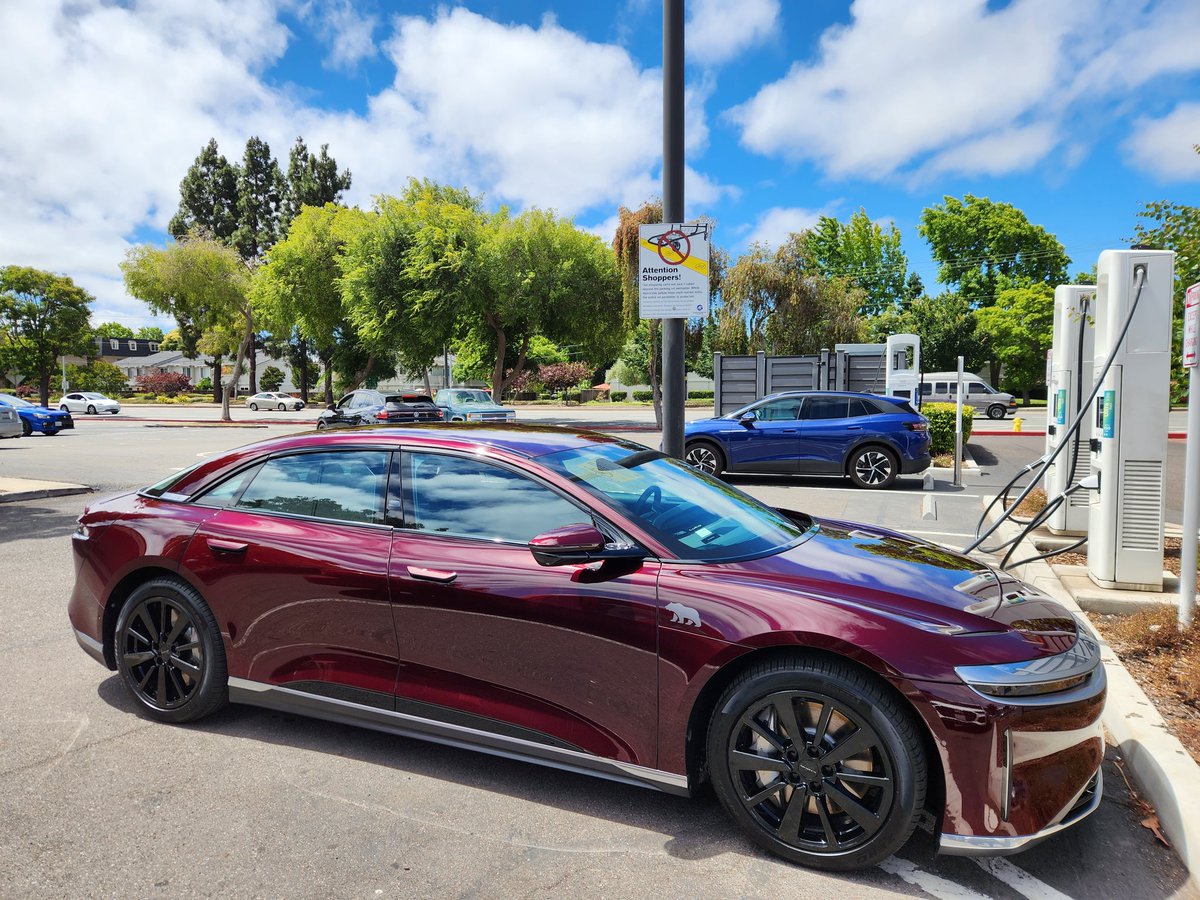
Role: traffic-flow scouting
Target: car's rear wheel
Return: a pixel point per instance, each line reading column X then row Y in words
column 996, row 411
column 281, row 407
column 91, row 410
column 706, row 457
column 169, row 652
column 873, row 467
column 254, row 406
column 26, row 428
column 817, row 762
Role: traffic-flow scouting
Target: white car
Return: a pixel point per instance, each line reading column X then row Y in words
column 88, row 402
column 274, row 400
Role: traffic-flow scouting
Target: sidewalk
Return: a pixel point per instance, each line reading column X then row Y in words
column 14, row 489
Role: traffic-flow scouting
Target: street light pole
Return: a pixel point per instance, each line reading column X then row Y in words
column 673, row 373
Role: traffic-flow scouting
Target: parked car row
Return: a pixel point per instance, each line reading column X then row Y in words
column 33, row 418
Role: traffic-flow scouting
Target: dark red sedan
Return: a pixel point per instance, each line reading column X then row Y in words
column 583, row 602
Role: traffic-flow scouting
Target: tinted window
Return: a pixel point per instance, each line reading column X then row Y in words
column 340, row 485
column 926, row 388
column 860, row 408
column 825, row 408
column 976, row 388
column 778, row 410
column 468, row 497
column 940, row 387
column 225, row 493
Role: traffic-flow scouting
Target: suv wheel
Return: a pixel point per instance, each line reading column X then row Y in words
column 705, row 457
column 873, row 467
column 996, row 411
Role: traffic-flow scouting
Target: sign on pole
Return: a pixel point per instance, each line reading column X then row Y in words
column 673, row 270
column 1191, row 327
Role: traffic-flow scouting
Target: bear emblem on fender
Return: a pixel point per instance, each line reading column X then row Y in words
column 685, row 615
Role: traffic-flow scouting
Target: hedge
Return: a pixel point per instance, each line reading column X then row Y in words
column 941, row 425
column 701, row 395
column 643, row 396
column 618, row 396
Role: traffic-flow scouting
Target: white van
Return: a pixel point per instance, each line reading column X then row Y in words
column 942, row 387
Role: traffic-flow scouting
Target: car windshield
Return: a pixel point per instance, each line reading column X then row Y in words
column 10, row 400
column 472, row 397
column 694, row 516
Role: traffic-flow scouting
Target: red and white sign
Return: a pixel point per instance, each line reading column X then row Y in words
column 1191, row 327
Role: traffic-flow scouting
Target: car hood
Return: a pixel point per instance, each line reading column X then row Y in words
column 43, row 410
column 907, row 577
column 479, row 407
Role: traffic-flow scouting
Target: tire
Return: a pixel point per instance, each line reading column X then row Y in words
column 169, row 652
column 254, row 406
column 63, row 408
column 873, row 467
column 996, row 411
column 859, row 745
column 321, row 426
column 26, row 428
column 91, row 410
column 705, row 456
column 281, row 407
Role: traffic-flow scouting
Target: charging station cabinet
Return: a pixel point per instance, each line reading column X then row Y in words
column 1128, row 443
column 902, row 367
column 1071, row 354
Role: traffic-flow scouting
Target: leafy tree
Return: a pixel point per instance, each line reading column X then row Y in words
column 171, row 341
column 1019, row 327
column 312, row 180
column 561, row 376
column 112, row 330
column 271, row 379
column 201, row 283
column 42, row 316
column 474, row 357
column 862, row 252
column 100, row 376
column 259, row 195
column 946, row 326
column 913, row 288
column 150, row 333
column 627, row 248
column 208, row 197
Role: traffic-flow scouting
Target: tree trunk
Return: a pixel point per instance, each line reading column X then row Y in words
column 253, row 365
column 327, row 362
column 498, row 367
column 993, row 373
column 304, row 371
column 655, row 390
column 361, row 375
column 428, row 386
column 218, row 386
column 247, row 345
column 44, row 388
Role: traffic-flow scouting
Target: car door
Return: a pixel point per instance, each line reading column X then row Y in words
column 826, row 434
column 295, row 567
column 771, row 443
column 489, row 639
column 74, row 402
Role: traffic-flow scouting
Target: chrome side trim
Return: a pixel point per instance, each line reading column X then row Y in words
column 332, row 709
column 984, row 845
column 91, row 646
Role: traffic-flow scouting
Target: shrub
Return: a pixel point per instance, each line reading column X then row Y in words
column 100, row 376
column 618, row 396
column 25, row 391
column 643, row 396
column 169, row 383
column 204, row 386
column 701, row 395
column 941, row 425
column 271, row 379
column 560, row 376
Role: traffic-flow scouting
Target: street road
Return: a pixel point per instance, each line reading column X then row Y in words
column 96, row 800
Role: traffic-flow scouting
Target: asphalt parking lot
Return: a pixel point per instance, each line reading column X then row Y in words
column 97, row 801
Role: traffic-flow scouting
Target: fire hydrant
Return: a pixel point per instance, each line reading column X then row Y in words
column 1017, row 420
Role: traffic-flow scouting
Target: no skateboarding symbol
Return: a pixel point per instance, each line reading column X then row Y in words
column 673, row 270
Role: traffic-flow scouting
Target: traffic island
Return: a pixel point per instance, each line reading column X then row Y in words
column 15, row 489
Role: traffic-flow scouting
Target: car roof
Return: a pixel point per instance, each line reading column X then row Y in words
column 830, row 394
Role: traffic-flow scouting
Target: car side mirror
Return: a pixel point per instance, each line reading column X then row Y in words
column 575, row 544
column 331, row 408
column 748, row 418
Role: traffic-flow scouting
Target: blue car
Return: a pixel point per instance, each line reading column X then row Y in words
column 866, row 438
column 38, row 418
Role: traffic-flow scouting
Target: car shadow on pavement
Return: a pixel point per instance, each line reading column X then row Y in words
column 903, row 482
column 698, row 828
column 20, row 521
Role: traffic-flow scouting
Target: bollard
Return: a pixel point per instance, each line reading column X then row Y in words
column 1017, row 423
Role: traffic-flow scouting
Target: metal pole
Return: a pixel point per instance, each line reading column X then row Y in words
column 958, row 426
column 673, row 374
column 64, row 373
column 1191, row 503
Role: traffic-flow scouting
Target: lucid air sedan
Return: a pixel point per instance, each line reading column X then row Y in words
column 583, row 602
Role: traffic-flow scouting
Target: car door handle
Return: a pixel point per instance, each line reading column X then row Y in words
column 854, row 428
column 221, row 546
column 431, row 574
column 788, row 430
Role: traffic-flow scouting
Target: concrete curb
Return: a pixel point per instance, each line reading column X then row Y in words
column 1166, row 775
column 13, row 490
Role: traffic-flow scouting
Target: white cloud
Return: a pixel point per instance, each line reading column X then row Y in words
column 349, row 34
column 718, row 30
column 962, row 87
column 776, row 223
column 1164, row 147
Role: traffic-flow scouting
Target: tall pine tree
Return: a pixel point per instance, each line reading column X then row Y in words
column 260, row 193
column 208, row 197
column 312, row 180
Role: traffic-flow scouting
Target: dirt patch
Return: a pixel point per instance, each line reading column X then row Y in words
column 1165, row 662
column 1172, row 558
column 1031, row 505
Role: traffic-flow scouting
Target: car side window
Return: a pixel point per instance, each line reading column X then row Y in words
column 926, row 388
column 456, row 495
column 344, row 485
column 940, row 388
column 825, row 408
column 226, row 493
column 345, row 402
column 976, row 388
column 860, row 408
column 779, row 410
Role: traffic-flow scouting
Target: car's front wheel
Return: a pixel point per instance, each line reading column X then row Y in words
column 26, row 428
column 996, row 411
column 254, row 406
column 817, row 762
column 169, row 652
column 63, row 408
column 705, row 457
column 873, row 467
column 91, row 410
column 281, row 407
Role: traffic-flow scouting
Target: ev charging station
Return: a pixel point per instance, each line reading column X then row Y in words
column 1128, row 443
column 1070, row 380
column 902, row 375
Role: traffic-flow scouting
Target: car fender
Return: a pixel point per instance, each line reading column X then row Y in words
column 866, row 439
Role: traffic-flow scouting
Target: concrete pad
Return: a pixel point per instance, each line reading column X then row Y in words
column 1094, row 598
column 14, row 489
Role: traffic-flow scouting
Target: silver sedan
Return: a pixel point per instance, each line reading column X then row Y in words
column 88, row 402
column 274, row 400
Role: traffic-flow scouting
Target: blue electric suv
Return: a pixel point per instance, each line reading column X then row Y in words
column 866, row 438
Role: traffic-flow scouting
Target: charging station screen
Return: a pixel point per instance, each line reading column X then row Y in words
column 1110, row 414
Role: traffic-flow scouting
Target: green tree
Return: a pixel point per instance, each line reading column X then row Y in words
column 474, row 356
column 204, row 284
column 946, row 327
column 112, row 330
column 150, row 333
column 627, row 248
column 1019, row 327
column 862, row 252
column 42, row 316
column 208, row 197
column 272, row 378
column 259, row 195
column 100, row 376
column 171, row 340
column 312, row 180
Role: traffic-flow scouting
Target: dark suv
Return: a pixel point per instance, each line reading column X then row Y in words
column 368, row 407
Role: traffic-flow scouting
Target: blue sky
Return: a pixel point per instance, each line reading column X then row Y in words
column 1076, row 111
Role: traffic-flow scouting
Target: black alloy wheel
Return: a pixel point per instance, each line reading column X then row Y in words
column 818, row 763
column 996, row 411
column 91, row 410
column 705, row 457
column 873, row 467
column 169, row 652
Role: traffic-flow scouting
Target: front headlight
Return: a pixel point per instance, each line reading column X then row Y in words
column 1037, row 677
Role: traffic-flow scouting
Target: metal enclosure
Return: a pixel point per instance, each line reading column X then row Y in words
column 903, row 367
column 1129, row 419
column 1070, row 380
